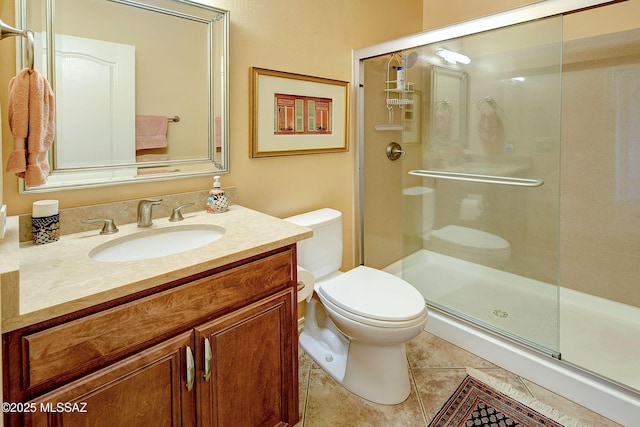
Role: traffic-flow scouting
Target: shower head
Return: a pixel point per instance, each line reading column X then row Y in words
column 410, row 60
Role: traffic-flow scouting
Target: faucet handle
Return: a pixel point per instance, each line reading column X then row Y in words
column 177, row 215
column 109, row 226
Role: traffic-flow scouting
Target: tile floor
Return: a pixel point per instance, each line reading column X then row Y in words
column 436, row 368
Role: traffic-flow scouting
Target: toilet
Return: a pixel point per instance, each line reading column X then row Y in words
column 465, row 243
column 357, row 323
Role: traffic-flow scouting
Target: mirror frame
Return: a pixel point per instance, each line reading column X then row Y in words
column 202, row 167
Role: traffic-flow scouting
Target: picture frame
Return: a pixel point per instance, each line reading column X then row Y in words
column 293, row 114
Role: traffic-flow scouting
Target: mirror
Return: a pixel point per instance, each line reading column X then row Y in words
column 140, row 88
column 448, row 107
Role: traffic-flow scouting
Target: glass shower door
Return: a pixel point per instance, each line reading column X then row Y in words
column 480, row 128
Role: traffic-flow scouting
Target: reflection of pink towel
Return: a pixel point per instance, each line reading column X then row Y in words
column 151, row 132
column 31, row 119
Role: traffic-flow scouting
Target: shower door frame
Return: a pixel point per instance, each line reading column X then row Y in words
column 542, row 9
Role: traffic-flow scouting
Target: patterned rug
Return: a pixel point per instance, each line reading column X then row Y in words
column 475, row 404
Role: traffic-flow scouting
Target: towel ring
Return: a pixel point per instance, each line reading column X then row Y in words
column 487, row 100
column 443, row 105
column 9, row 31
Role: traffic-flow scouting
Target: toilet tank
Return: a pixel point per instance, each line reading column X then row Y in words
column 322, row 253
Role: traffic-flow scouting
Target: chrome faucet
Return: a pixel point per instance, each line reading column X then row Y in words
column 144, row 211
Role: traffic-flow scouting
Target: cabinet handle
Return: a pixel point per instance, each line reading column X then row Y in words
column 191, row 369
column 208, row 359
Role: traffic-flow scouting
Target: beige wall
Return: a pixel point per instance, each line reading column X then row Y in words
column 305, row 37
column 437, row 13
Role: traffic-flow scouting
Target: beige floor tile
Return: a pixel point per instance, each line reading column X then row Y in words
column 429, row 351
column 329, row 404
column 435, row 386
column 304, row 367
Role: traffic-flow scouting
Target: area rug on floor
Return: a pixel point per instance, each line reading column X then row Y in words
column 476, row 404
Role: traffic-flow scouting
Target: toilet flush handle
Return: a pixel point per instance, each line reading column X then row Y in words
column 395, row 151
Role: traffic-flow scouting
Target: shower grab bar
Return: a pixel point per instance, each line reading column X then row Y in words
column 9, row 31
column 471, row 177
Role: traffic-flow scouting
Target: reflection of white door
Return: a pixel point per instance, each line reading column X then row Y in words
column 95, row 102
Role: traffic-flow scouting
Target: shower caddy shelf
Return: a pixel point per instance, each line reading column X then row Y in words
column 399, row 100
column 401, row 97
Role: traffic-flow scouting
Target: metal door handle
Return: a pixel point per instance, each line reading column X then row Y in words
column 191, row 369
column 208, row 359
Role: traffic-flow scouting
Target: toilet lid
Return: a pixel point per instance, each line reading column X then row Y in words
column 455, row 236
column 374, row 294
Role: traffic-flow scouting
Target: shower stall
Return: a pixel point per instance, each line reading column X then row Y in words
column 460, row 133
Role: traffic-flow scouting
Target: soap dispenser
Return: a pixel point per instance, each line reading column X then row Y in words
column 217, row 201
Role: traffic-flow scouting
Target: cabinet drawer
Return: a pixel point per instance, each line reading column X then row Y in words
column 60, row 353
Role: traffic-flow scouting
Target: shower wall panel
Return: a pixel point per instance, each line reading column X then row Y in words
column 600, row 225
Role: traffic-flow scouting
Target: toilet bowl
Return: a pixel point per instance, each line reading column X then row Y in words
column 465, row 243
column 357, row 323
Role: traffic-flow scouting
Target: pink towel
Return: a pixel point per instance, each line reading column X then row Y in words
column 151, row 132
column 32, row 124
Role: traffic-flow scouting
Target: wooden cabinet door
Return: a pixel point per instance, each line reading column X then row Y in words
column 147, row 389
column 252, row 377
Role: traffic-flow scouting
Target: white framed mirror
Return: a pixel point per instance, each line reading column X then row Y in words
column 141, row 89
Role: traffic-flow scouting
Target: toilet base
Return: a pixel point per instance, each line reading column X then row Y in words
column 379, row 373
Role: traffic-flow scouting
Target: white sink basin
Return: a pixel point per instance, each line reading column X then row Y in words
column 157, row 243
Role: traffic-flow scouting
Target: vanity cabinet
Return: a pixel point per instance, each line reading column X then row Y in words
column 214, row 349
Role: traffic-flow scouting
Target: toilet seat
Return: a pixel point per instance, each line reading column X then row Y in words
column 469, row 240
column 373, row 297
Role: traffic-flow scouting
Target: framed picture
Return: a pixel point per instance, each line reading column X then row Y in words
column 297, row 114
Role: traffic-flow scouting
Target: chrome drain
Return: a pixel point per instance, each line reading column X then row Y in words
column 500, row 313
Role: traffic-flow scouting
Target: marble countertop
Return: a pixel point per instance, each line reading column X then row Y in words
column 40, row 282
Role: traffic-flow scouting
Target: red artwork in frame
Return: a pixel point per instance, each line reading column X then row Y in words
column 297, row 114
